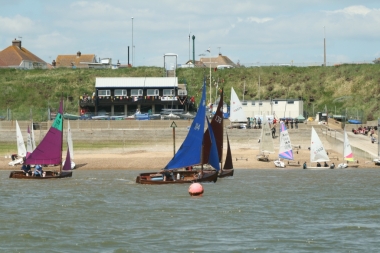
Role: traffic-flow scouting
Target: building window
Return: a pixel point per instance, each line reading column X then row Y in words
column 152, row 92
column 276, row 102
column 290, row 102
column 168, row 92
column 120, row 92
column 244, row 103
column 105, row 93
column 136, row 92
column 253, row 103
column 260, row 103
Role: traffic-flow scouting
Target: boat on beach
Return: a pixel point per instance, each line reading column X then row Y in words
column 286, row 149
column 179, row 170
column 266, row 142
column 317, row 151
column 21, row 150
column 347, row 154
column 48, row 152
column 237, row 115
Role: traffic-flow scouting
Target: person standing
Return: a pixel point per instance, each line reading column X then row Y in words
column 304, row 165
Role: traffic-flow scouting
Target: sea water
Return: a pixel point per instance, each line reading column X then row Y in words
column 279, row 210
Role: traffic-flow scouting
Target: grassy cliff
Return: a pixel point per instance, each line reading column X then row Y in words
column 352, row 87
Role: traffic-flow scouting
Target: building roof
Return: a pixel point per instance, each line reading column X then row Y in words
column 131, row 82
column 79, row 60
column 15, row 54
column 2, row 64
column 215, row 61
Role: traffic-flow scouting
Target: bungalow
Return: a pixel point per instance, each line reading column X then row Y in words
column 16, row 56
column 217, row 61
column 74, row 61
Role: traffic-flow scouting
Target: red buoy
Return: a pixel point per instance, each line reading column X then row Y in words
column 195, row 189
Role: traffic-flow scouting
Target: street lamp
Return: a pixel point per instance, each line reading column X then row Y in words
column 210, row 71
column 132, row 42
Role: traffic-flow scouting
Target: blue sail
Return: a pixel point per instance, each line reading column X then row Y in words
column 190, row 152
column 213, row 159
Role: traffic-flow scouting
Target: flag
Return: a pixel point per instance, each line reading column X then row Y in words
column 208, row 50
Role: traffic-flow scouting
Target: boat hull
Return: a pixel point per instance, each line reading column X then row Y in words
column 226, row 173
column 318, row 168
column 49, row 175
column 179, row 177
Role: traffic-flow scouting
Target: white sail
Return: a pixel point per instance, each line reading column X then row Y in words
column 21, row 150
column 29, row 143
column 286, row 150
column 70, row 141
column 317, row 151
column 236, row 110
column 266, row 142
column 347, row 151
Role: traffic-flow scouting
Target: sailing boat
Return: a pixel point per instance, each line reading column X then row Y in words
column 317, row 151
column 188, row 155
column 237, row 114
column 285, row 151
column 266, row 141
column 21, row 150
column 347, row 153
column 70, row 146
column 217, row 127
column 48, row 152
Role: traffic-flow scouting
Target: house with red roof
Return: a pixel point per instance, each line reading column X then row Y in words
column 215, row 62
column 78, row 60
column 16, row 56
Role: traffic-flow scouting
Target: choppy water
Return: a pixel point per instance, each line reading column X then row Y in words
column 257, row 210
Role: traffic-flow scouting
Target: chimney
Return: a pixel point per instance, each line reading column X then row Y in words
column 16, row 43
column 79, row 54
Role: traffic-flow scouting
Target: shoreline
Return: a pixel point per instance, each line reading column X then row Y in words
column 148, row 160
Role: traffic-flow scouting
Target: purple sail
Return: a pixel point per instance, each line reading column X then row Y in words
column 67, row 165
column 48, row 152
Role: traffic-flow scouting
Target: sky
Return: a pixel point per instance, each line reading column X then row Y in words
column 249, row 32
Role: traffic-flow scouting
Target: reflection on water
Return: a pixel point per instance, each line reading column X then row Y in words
column 263, row 210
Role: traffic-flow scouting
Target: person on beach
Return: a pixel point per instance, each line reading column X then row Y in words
column 325, row 165
column 318, row 164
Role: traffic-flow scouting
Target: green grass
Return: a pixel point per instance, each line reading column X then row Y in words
column 356, row 87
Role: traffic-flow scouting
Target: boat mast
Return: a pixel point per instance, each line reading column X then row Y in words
column 60, row 164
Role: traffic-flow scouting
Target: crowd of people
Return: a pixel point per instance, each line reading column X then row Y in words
column 87, row 98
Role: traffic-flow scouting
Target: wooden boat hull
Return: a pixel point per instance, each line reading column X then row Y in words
column 49, row 175
column 318, row 168
column 179, row 177
column 226, row 173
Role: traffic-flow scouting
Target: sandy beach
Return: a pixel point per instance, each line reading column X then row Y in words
column 145, row 159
